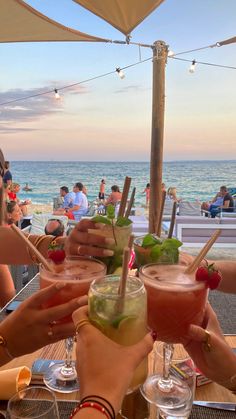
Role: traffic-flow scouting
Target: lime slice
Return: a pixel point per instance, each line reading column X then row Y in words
column 118, row 271
column 122, row 321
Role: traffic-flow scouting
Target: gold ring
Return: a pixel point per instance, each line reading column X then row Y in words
column 80, row 324
column 78, row 250
column 207, row 341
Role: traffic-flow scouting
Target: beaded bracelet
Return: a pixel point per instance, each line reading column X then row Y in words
column 3, row 344
column 101, row 400
column 92, row 405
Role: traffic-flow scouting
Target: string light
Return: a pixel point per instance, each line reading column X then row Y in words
column 57, row 96
column 120, row 73
column 192, row 67
column 170, row 53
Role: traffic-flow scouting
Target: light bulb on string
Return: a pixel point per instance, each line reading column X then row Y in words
column 120, row 73
column 170, row 53
column 192, row 67
column 57, row 96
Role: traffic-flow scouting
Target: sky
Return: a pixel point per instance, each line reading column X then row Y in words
column 109, row 119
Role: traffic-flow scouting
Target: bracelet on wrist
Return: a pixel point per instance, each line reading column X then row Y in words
column 96, row 402
column 3, row 344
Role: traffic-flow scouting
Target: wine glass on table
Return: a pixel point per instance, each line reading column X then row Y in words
column 77, row 273
column 175, row 300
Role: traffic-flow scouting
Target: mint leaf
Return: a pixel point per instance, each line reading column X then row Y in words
column 101, row 219
column 110, row 211
column 149, row 241
column 122, row 222
column 155, row 253
column 171, row 244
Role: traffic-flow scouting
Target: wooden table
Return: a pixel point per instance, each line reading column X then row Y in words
column 133, row 403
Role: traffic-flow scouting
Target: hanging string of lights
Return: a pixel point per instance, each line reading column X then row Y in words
column 121, row 74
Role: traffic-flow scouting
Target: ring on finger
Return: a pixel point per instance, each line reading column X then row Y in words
column 207, row 341
column 80, row 324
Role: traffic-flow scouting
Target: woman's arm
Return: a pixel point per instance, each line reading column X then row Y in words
column 7, row 287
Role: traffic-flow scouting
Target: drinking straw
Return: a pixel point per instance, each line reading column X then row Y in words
column 131, row 202
column 124, row 198
column 123, row 279
column 158, row 231
column 172, row 222
column 131, row 240
column 191, row 268
column 33, row 249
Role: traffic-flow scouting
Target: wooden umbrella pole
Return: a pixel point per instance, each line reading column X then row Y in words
column 124, row 198
column 160, row 50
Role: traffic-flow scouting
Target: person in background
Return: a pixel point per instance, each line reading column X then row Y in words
column 13, row 213
column 163, row 187
column 172, row 194
column 80, row 207
column 147, row 192
column 227, row 206
column 14, row 189
column 7, row 177
column 69, row 197
column 101, row 194
column 54, row 228
column 115, row 196
column 217, row 201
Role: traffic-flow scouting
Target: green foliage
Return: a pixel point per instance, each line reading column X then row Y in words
column 101, row 219
column 149, row 241
column 122, row 222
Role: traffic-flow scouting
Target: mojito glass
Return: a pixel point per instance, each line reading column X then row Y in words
column 124, row 323
column 151, row 248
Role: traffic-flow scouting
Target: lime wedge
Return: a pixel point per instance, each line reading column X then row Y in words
column 122, row 321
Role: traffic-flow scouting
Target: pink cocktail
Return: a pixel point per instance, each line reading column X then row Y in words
column 175, row 300
column 77, row 273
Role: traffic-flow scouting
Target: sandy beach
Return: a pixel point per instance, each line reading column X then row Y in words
column 39, row 208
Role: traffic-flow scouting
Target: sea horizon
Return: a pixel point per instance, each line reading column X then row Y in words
column 194, row 180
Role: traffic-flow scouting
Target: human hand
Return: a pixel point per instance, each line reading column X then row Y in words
column 101, row 360
column 81, row 242
column 31, row 327
column 219, row 362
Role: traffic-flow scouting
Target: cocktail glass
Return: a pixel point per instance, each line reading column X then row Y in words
column 153, row 249
column 175, row 300
column 121, row 235
column 77, row 273
column 182, row 367
column 125, row 322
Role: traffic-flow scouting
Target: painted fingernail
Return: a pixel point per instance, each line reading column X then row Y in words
column 60, row 285
column 107, row 252
column 109, row 240
column 154, row 335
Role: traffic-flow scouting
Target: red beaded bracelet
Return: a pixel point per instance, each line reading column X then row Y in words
column 92, row 405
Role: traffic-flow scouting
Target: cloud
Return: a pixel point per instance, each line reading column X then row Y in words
column 16, row 106
column 128, row 89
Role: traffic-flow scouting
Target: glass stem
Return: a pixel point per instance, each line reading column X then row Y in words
column 69, row 343
column 168, row 350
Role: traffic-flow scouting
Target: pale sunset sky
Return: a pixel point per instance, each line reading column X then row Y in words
column 110, row 119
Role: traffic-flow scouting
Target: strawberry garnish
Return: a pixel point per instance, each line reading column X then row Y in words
column 56, row 252
column 209, row 274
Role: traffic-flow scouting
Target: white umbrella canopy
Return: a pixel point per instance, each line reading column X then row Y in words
column 124, row 15
column 21, row 23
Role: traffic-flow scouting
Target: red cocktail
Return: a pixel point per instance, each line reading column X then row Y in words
column 175, row 300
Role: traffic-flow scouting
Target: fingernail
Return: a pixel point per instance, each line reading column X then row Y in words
column 60, row 285
column 107, row 252
column 154, row 335
column 109, row 240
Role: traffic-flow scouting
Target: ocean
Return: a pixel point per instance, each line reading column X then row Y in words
column 193, row 179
